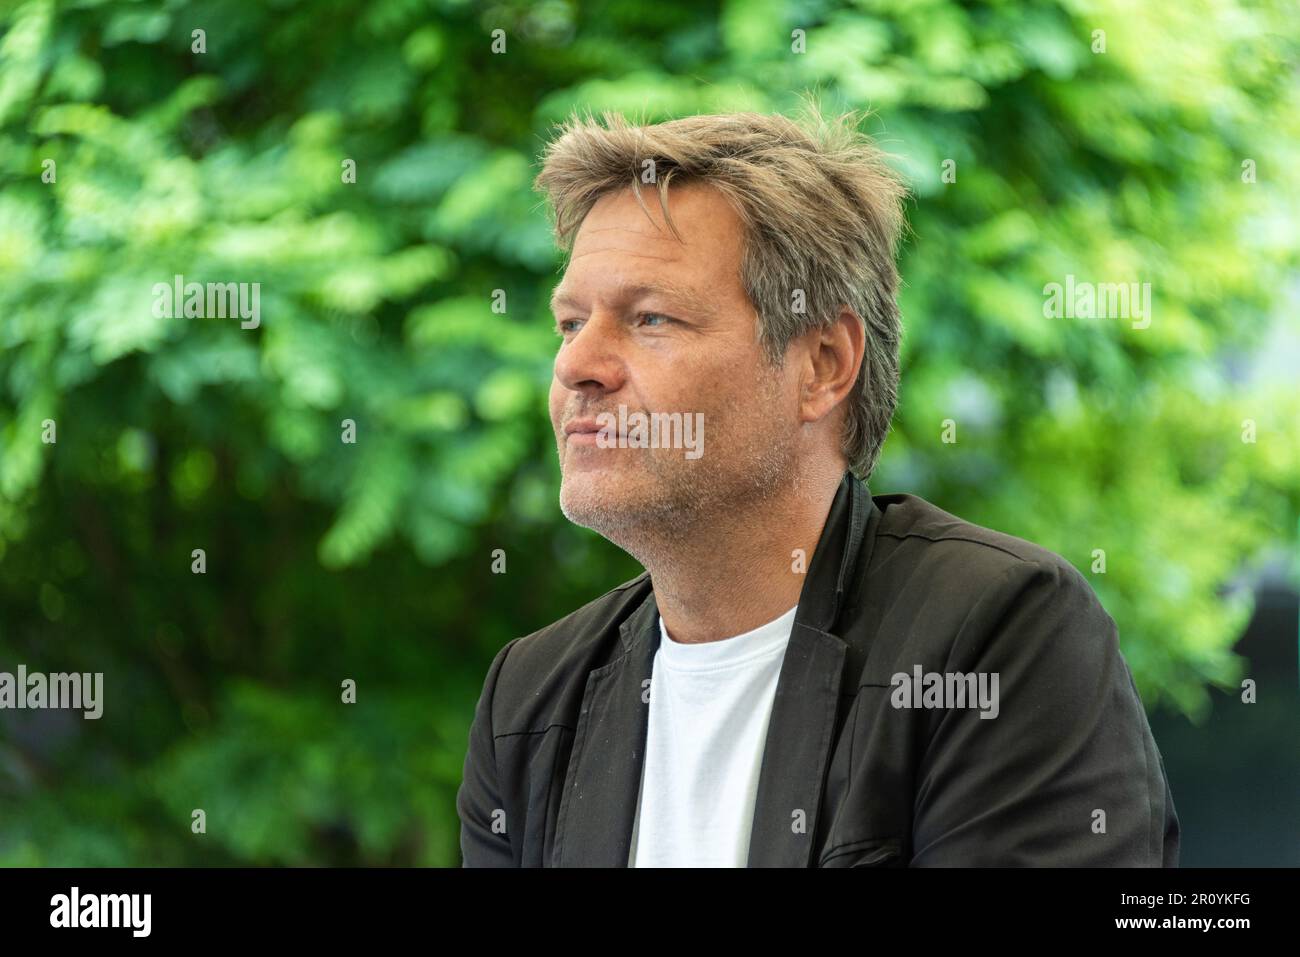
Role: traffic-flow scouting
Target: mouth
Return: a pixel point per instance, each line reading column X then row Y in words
column 592, row 438
column 582, row 432
column 586, row 432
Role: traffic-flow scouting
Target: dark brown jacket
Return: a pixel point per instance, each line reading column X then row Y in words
column 1066, row 774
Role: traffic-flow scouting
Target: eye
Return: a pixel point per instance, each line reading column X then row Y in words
column 562, row 327
column 655, row 315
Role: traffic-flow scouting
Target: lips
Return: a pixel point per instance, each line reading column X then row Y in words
column 581, row 426
column 586, row 432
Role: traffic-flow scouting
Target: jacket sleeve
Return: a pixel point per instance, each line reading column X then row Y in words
column 478, row 801
column 1067, row 773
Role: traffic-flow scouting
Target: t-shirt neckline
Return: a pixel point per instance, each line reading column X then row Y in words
column 741, row 649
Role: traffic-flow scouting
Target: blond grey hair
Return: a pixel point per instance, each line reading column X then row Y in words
column 822, row 212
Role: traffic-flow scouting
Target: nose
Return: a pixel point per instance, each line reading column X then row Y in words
column 591, row 361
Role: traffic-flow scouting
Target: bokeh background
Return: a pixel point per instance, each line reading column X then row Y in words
column 1169, row 156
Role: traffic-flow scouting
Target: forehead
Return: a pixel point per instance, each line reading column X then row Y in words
column 619, row 248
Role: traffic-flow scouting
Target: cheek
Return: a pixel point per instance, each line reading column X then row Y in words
column 744, row 388
column 764, row 401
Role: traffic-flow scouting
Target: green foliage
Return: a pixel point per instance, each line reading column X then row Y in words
column 329, row 560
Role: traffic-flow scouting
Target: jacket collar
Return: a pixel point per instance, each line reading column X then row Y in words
column 597, row 808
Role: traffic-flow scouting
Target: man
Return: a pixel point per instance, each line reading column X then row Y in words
column 805, row 675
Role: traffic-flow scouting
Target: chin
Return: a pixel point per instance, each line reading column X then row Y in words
column 585, row 496
column 601, row 502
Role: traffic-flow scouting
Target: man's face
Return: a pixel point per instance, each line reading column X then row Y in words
column 657, row 326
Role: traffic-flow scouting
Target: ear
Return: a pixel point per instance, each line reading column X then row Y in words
column 835, row 354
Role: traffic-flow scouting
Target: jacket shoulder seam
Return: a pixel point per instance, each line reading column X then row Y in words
column 957, row 538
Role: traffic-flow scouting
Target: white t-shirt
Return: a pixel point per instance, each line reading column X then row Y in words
column 709, row 708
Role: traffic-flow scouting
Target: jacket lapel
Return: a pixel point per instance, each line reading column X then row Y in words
column 594, row 826
column 802, row 725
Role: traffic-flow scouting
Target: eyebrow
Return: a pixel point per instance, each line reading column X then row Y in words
column 639, row 290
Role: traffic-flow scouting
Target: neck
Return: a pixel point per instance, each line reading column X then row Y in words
column 742, row 569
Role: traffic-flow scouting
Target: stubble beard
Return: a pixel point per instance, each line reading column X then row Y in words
column 656, row 502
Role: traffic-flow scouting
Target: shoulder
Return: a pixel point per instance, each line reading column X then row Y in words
column 962, row 598
column 585, row 624
column 545, row 664
column 920, row 537
column 926, row 554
